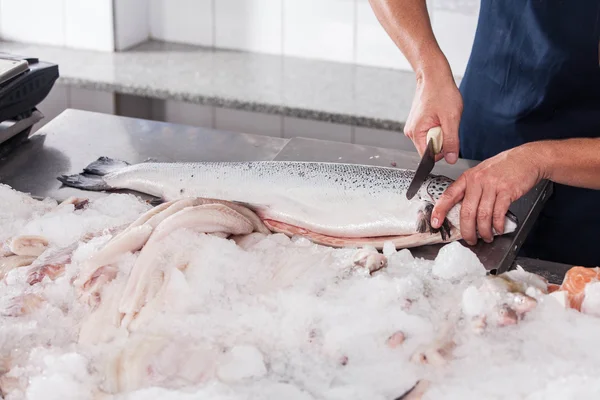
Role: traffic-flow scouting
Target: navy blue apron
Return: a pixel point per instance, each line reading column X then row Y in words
column 534, row 74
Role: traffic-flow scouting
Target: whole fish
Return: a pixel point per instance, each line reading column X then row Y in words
column 334, row 204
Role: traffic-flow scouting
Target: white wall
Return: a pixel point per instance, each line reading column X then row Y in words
column 80, row 24
column 335, row 30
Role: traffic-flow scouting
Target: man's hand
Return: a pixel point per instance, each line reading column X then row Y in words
column 437, row 102
column 488, row 190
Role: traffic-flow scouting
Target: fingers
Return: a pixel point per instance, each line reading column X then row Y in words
column 485, row 212
column 451, row 196
column 468, row 212
column 450, row 146
column 420, row 144
column 500, row 209
column 417, row 139
column 420, row 141
column 418, row 134
column 438, row 157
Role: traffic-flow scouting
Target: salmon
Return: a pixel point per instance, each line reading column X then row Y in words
column 574, row 283
column 334, row 204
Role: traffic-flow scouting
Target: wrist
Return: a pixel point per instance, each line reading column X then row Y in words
column 542, row 154
column 434, row 67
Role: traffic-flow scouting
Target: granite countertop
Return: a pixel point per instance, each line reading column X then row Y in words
column 320, row 90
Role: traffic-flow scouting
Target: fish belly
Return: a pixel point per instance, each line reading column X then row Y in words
column 329, row 199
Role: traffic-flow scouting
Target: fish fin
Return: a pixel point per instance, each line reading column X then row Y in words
column 93, row 183
column 104, row 165
column 512, row 222
column 424, row 223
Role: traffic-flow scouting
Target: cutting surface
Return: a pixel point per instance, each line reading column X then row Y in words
column 75, row 138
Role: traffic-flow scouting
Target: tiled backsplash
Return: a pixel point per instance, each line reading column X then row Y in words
column 62, row 97
column 335, row 30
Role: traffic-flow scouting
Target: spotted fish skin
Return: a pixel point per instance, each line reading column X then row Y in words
column 184, row 177
column 336, row 199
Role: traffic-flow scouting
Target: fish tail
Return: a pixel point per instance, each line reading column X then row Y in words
column 89, row 182
column 104, row 166
column 92, row 176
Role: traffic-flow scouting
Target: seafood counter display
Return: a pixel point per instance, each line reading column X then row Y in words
column 67, row 144
column 112, row 297
column 275, row 268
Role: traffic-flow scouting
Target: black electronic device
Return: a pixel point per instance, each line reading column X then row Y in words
column 24, row 83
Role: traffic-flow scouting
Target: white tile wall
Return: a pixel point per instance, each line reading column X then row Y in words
column 44, row 26
column 132, row 22
column 297, row 127
column 455, row 33
column 321, row 29
column 248, row 122
column 335, row 30
column 251, row 25
column 182, row 21
column 89, row 24
column 374, row 47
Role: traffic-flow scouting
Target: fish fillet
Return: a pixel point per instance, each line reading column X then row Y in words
column 9, row 263
column 147, row 274
column 331, row 199
column 28, row 245
column 574, row 283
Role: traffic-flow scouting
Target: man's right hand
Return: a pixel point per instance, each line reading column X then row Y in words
column 437, row 102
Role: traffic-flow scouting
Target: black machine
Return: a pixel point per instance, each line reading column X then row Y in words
column 24, row 84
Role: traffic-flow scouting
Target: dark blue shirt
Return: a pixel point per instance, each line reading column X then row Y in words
column 534, row 74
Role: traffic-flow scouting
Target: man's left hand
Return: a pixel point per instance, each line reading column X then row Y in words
column 488, row 190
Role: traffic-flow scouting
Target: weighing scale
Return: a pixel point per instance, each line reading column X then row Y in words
column 24, row 84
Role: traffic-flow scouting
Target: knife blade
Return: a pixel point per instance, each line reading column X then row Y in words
column 434, row 146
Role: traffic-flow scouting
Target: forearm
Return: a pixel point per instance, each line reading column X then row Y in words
column 408, row 25
column 572, row 162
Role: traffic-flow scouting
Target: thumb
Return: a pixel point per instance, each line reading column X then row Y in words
column 450, row 145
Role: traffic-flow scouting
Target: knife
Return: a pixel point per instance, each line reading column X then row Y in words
column 434, row 146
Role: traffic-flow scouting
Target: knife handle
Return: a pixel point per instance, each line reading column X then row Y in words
column 436, row 137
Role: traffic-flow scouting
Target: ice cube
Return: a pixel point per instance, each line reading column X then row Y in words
column 454, row 261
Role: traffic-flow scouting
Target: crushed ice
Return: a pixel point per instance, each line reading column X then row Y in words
column 281, row 319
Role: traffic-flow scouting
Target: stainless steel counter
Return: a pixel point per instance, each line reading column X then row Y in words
column 75, row 138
